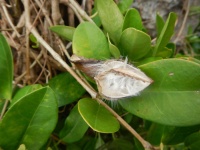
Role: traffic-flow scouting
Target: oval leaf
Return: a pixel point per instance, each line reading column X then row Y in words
column 173, row 98
column 74, row 128
column 66, row 88
column 111, row 18
column 65, row 32
column 24, row 91
column 29, row 121
column 97, row 117
column 166, row 33
column 6, row 69
column 123, row 5
column 134, row 43
column 133, row 19
column 90, row 42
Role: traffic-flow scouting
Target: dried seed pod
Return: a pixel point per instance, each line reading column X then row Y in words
column 115, row 79
column 87, row 66
column 121, row 80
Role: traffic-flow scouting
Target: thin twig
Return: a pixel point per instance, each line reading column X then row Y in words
column 27, row 17
column 178, row 37
column 77, row 9
column 9, row 20
column 81, row 11
column 55, row 13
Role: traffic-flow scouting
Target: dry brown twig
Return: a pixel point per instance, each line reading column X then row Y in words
column 179, row 35
column 9, row 19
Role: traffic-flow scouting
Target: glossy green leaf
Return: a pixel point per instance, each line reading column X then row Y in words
column 65, row 32
column 114, row 50
column 173, row 97
column 134, row 43
column 111, row 18
column 25, row 91
column 133, row 19
column 66, row 88
column 97, row 117
column 193, row 141
column 90, row 42
column 74, row 128
column 123, row 5
column 176, row 135
column 166, row 33
column 159, row 24
column 29, row 121
column 6, row 69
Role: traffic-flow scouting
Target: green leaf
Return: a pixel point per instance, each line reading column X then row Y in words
column 193, row 141
column 134, row 43
column 120, row 144
column 65, row 32
column 147, row 60
column 34, row 40
column 154, row 134
column 166, row 33
column 97, row 117
column 123, row 5
column 66, row 88
column 90, row 42
column 74, row 128
column 176, row 135
column 2, row 102
column 113, row 50
column 22, row 147
column 111, row 18
column 24, row 91
column 159, row 24
column 6, row 69
column 133, row 19
column 172, row 46
column 173, row 97
column 29, row 121
column 95, row 16
column 165, row 53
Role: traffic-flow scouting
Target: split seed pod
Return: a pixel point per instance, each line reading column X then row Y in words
column 115, row 79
